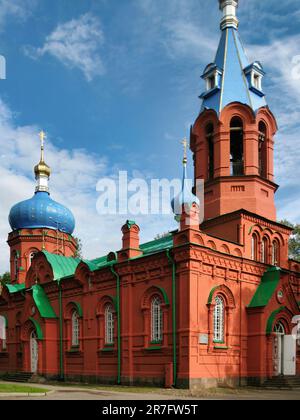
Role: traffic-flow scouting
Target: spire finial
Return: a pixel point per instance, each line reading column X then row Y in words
column 228, row 8
column 42, row 170
column 185, row 146
column 43, row 136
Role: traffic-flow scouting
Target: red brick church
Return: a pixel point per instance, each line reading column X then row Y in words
column 207, row 304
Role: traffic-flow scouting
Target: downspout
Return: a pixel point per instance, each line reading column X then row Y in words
column 118, row 322
column 61, row 349
column 174, row 324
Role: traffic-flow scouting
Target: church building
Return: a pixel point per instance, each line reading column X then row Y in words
column 209, row 304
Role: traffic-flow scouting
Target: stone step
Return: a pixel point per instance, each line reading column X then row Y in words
column 21, row 377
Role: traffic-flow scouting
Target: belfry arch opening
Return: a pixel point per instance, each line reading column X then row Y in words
column 209, row 131
column 236, row 147
column 262, row 149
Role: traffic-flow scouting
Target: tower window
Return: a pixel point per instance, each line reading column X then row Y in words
column 211, row 82
column 265, row 251
column 236, row 147
column 262, row 149
column 16, row 265
column 275, row 253
column 254, row 247
column 211, row 151
column 257, row 81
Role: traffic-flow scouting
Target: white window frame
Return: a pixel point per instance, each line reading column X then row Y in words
column 75, row 329
column 156, row 320
column 109, row 325
column 219, row 320
column 31, row 256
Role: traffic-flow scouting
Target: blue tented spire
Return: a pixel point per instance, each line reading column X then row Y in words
column 231, row 77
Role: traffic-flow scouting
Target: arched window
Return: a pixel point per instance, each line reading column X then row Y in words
column 109, row 324
column 211, row 150
column 75, row 329
column 236, row 147
column 3, row 333
column 275, row 253
column 219, row 320
column 31, row 257
column 156, row 320
column 254, row 247
column 262, row 149
column 265, row 251
column 16, row 265
column 279, row 329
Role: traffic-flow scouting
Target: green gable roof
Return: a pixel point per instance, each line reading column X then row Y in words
column 266, row 289
column 42, row 302
column 62, row 266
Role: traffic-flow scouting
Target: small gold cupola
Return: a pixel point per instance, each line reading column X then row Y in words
column 42, row 170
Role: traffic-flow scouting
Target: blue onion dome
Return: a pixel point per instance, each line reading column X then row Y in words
column 185, row 197
column 41, row 211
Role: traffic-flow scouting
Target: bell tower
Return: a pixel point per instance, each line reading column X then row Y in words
column 232, row 139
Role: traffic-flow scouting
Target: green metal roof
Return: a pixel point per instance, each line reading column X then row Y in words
column 15, row 288
column 62, row 266
column 266, row 289
column 42, row 302
column 97, row 263
column 157, row 245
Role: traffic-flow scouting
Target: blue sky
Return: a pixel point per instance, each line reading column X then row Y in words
column 115, row 83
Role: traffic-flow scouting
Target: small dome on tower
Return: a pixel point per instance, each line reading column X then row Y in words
column 185, row 197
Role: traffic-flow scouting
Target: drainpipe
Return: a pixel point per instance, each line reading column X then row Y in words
column 61, row 347
column 118, row 322
column 171, row 260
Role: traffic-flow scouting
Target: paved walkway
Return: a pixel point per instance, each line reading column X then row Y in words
column 83, row 393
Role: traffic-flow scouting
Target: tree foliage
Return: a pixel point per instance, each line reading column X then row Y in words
column 294, row 242
column 5, row 278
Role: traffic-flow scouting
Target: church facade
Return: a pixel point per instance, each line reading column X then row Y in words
column 204, row 305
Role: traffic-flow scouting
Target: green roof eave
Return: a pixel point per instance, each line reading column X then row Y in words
column 61, row 266
column 266, row 289
column 42, row 302
column 15, row 288
column 158, row 245
column 38, row 329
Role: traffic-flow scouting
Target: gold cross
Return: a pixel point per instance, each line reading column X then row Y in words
column 185, row 146
column 43, row 136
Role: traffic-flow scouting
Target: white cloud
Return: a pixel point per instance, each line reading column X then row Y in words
column 75, row 44
column 73, row 182
column 18, row 9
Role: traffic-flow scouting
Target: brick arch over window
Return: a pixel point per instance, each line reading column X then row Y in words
column 70, row 309
column 148, row 298
column 225, row 292
column 29, row 326
column 220, row 295
column 102, row 305
column 150, row 293
column 282, row 315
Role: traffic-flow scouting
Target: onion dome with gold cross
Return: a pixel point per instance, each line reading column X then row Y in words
column 185, row 197
column 41, row 211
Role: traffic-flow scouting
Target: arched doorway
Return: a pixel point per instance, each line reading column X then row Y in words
column 284, row 352
column 34, row 352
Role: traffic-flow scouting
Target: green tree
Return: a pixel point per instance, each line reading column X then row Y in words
column 78, row 253
column 5, row 278
column 294, row 242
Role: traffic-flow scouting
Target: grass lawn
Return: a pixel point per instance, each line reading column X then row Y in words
column 9, row 388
